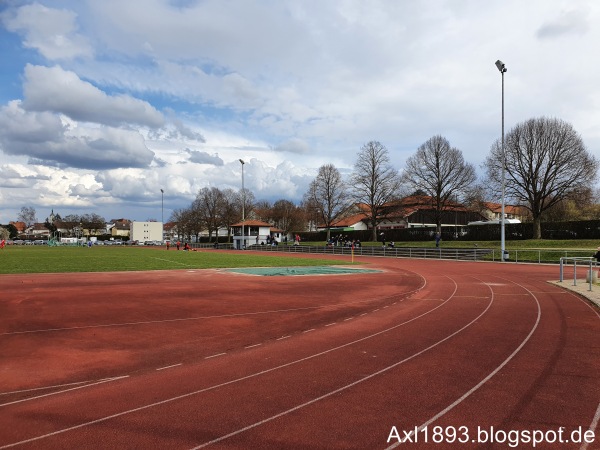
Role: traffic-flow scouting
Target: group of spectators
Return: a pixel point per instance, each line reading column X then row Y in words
column 343, row 241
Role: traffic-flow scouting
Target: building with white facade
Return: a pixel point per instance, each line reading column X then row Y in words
column 146, row 231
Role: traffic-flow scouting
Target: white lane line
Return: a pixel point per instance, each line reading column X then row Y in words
column 227, row 383
column 593, row 426
column 107, row 380
column 44, row 388
column 343, row 388
column 349, row 318
column 308, row 331
column 253, row 345
column 169, row 367
column 487, row 378
column 214, row 356
column 284, row 337
column 171, row 261
column 147, row 322
column 330, row 324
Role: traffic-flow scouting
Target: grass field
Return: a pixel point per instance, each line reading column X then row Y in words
column 43, row 259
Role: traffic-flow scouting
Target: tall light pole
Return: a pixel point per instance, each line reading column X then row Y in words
column 162, row 213
column 162, row 206
column 243, row 205
column 502, row 68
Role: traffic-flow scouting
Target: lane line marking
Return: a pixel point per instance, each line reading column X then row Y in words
column 168, row 367
column 486, row 379
column 284, row 337
column 230, row 382
column 253, row 345
column 43, row 388
column 107, row 380
column 147, row 322
column 214, row 356
column 593, row 426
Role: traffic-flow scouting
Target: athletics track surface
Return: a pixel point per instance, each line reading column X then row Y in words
column 192, row 359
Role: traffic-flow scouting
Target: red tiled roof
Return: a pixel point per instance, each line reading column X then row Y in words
column 349, row 221
column 252, row 223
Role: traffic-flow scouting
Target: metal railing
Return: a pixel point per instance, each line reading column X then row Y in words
column 588, row 261
column 538, row 256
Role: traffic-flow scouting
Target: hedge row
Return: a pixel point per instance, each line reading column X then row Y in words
column 588, row 229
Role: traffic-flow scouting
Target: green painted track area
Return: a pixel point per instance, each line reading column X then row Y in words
column 292, row 271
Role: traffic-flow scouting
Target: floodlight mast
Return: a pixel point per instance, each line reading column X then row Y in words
column 243, row 244
column 162, row 212
column 502, row 68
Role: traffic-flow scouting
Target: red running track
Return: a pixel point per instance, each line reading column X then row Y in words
column 212, row 359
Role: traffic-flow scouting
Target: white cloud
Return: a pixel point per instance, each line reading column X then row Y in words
column 570, row 22
column 60, row 91
column 46, row 139
column 53, row 32
column 152, row 94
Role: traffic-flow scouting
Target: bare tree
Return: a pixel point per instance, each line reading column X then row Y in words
column 27, row 215
column 328, row 194
column 287, row 216
column 546, row 161
column 94, row 223
column 263, row 210
column 209, row 207
column 375, row 182
column 230, row 211
column 441, row 172
column 579, row 205
column 182, row 220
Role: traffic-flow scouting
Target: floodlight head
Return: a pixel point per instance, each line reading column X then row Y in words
column 162, row 191
column 242, row 161
column 501, row 66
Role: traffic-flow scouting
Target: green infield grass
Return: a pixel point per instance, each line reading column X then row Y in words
column 43, row 259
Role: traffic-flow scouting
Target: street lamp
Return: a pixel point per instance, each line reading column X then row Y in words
column 502, row 68
column 162, row 212
column 162, row 206
column 243, row 205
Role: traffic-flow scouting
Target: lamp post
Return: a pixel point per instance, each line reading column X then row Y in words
column 162, row 213
column 162, row 206
column 243, row 205
column 502, row 68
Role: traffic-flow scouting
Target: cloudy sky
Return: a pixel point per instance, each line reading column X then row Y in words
column 105, row 103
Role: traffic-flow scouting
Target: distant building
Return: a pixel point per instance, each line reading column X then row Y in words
column 119, row 228
column 20, row 226
column 254, row 232
column 417, row 211
column 146, row 231
column 493, row 211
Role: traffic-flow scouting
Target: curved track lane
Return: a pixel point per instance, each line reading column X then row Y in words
column 306, row 362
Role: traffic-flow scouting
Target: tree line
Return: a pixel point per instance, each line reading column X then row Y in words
column 547, row 170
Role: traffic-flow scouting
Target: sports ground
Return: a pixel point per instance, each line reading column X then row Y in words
column 439, row 354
